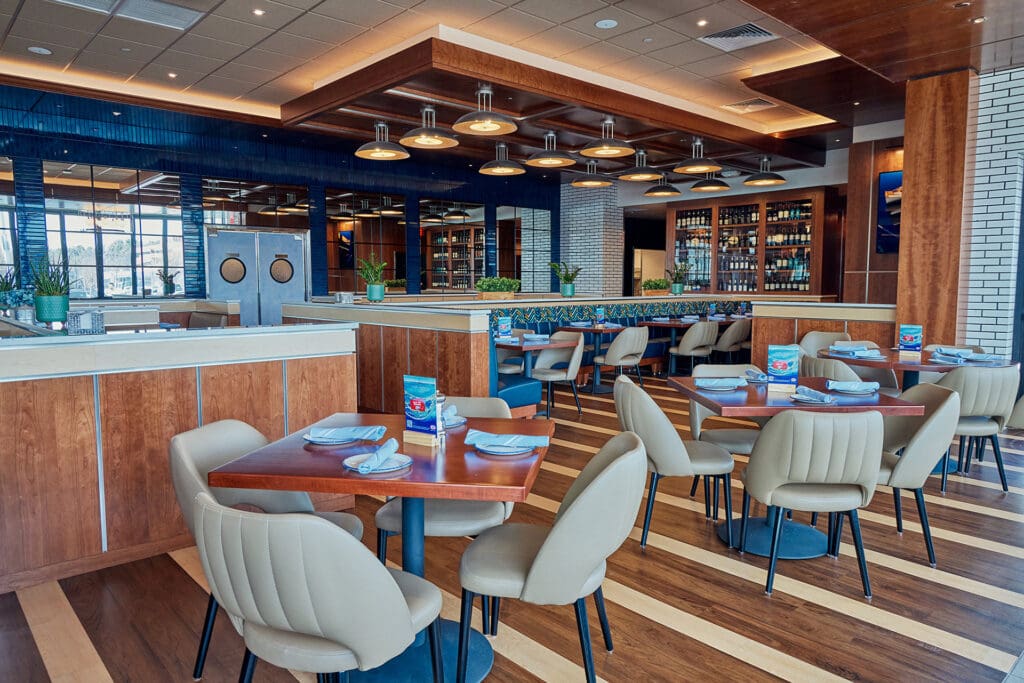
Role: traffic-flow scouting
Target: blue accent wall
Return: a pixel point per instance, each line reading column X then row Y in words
column 490, row 240
column 190, row 187
column 30, row 213
column 413, row 238
column 37, row 126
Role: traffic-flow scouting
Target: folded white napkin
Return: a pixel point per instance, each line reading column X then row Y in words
column 835, row 385
column 363, row 432
column 381, row 456
column 475, row 437
column 720, row 382
column 813, row 395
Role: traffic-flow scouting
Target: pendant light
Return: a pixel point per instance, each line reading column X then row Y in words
column 502, row 165
column 483, row 121
column 387, row 209
column 432, row 216
column 271, row 209
column 292, row 207
column 710, row 184
column 662, row 189
column 697, row 163
column 343, row 215
column 607, row 147
column 429, row 136
column 382, row 149
column 641, row 173
column 765, row 177
column 364, row 210
column 591, row 178
column 550, row 157
column 215, row 194
column 456, row 213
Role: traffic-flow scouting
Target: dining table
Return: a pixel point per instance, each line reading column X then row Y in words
column 529, row 347
column 598, row 330
column 673, row 325
column 799, row 541
column 911, row 364
column 451, row 470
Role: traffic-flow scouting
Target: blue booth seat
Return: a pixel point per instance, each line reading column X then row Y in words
column 517, row 391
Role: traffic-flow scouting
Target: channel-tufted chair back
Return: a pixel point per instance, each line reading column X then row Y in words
column 985, row 392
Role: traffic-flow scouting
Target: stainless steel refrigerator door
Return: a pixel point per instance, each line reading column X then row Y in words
column 282, row 273
column 232, row 271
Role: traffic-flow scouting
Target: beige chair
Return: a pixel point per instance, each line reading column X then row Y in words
column 511, row 362
column 886, row 377
column 738, row 440
column 626, row 350
column 912, row 446
column 563, row 563
column 308, row 596
column 812, row 366
column 565, row 375
column 733, row 338
column 987, row 396
column 670, row 456
column 697, row 342
column 449, row 518
column 934, row 377
column 815, row 341
column 194, row 453
column 815, row 462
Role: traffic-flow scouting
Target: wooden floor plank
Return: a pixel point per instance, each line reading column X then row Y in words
column 19, row 657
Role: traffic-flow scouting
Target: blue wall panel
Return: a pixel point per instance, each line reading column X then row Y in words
column 193, row 238
column 30, row 214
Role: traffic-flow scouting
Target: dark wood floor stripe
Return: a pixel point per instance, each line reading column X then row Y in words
column 19, row 657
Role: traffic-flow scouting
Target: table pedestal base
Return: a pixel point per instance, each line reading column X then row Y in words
column 798, row 542
column 413, row 665
column 596, row 387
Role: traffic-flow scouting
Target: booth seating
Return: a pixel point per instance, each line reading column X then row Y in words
column 522, row 394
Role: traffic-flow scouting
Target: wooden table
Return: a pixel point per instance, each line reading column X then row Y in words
column 528, row 348
column 598, row 331
column 679, row 324
column 799, row 541
column 454, row 471
column 911, row 368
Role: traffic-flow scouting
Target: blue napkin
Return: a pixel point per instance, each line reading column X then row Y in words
column 381, row 456
column 660, row 318
column 690, row 318
column 851, row 386
column 536, row 337
column 450, row 413
column 756, row 376
column 737, row 316
column 951, row 360
column 364, row 432
column 848, row 347
column 718, row 316
column 612, row 325
column 952, row 351
column 867, row 353
column 580, row 323
column 814, row 395
column 720, row 382
column 984, row 357
column 475, row 437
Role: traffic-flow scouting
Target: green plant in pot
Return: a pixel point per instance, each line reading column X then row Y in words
column 167, row 278
column 677, row 276
column 657, row 286
column 396, row 285
column 566, row 277
column 52, row 284
column 371, row 270
column 8, row 283
column 497, row 287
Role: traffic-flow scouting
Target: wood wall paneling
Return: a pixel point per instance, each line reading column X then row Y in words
column 882, row 286
column 395, row 342
column 140, row 412
column 804, row 325
column 883, row 334
column 422, row 352
column 368, row 358
column 855, row 285
column 250, row 392
column 770, row 331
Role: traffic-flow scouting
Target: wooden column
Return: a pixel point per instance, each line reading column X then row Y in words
column 935, row 147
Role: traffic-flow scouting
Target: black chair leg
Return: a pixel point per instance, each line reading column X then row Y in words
column 744, row 514
column 898, row 505
column 652, row 490
column 576, row 396
column 859, row 545
column 981, row 449
column 774, row 555
column 382, row 546
column 693, row 488
column 814, row 519
column 971, row 444
column 945, row 469
column 926, row 529
column 714, row 511
column 960, row 454
column 707, row 497
column 830, row 534
column 838, row 540
column 606, row 630
column 727, row 492
column 485, row 615
column 436, row 660
column 204, row 639
column 639, row 377
column 584, row 629
column 547, row 408
column 464, row 627
column 248, row 667
column 999, row 460
column 495, row 607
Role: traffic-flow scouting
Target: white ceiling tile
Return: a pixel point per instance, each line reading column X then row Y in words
column 458, row 13
column 404, row 3
column 186, row 61
column 301, row 4
column 648, row 39
column 275, row 14
column 776, row 27
column 369, row 42
column 698, row 89
column 34, row 30
column 203, row 6
column 804, row 41
column 222, row 87
column 276, row 92
column 509, row 26
column 634, row 68
column 409, row 23
column 250, row 74
column 330, row 63
column 772, row 51
column 669, row 80
column 295, row 46
column 715, row 65
column 272, row 61
column 138, row 32
column 208, row 47
column 560, row 10
column 5, row 19
column 659, row 10
column 324, row 29
column 685, row 53
column 238, row 32
column 62, row 15
column 157, row 75
column 18, row 48
column 597, row 55
column 627, row 22
column 718, row 17
column 557, row 40
column 733, row 79
column 9, row 7
column 364, row 13
column 113, row 46
column 109, row 63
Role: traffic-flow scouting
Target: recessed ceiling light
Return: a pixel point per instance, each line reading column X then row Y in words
column 259, row 12
column 702, row 22
column 265, row 135
column 171, row 74
column 648, row 39
column 116, row 113
column 856, row 104
column 837, row 139
column 36, row 50
column 606, row 23
column 126, row 49
column 979, row 20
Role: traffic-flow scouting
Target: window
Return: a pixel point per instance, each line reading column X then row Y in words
column 8, row 234
column 359, row 223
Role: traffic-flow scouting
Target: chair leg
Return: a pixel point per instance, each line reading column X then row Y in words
column 999, row 460
column 693, row 488
column 584, row 628
column 898, row 505
column 495, row 607
column 547, row 408
column 859, row 545
column 926, row 529
column 652, row 490
column 744, row 514
column 838, row 540
column 606, row 630
column 464, row 627
column 436, row 660
column 814, row 519
column 945, row 469
column 485, row 615
column 727, row 492
column 830, row 534
column 204, row 639
column 248, row 667
column 960, row 454
column 774, row 555
column 981, row 450
column 639, row 377
column 576, row 395
column 707, row 497
column 971, row 445
column 382, row 546
column 714, row 482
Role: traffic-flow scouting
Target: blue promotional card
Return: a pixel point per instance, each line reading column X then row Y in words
column 599, row 315
column 783, row 367
column 420, row 404
column 712, row 307
column 504, row 327
column 910, row 337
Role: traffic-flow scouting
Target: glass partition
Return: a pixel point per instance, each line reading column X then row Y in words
column 231, row 203
column 360, row 224
column 524, row 246
column 452, row 244
column 8, row 232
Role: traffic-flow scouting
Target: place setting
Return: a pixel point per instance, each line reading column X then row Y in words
column 504, row 445
column 333, row 437
column 956, row 356
column 384, row 460
column 804, row 394
column 852, row 388
column 720, row 383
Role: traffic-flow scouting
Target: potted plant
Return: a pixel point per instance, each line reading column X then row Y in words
column 677, row 275
column 8, row 282
column 371, row 270
column 395, row 286
column 167, row 278
column 655, row 287
column 496, row 287
column 566, row 277
column 52, row 285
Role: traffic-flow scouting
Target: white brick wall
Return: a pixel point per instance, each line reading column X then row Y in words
column 591, row 223
column 992, row 225
column 535, row 240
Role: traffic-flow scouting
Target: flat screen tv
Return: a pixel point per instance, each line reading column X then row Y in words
column 890, row 197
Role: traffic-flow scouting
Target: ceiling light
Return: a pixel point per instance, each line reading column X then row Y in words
column 501, row 164
column 591, row 178
column 171, row 74
column 662, row 189
column 765, row 177
column 342, row 216
column 382, row 149
column 702, row 22
column 364, row 211
column 837, row 139
column 979, row 20
column 259, row 12
column 550, row 157
column 126, row 49
column 292, row 207
column 116, row 113
column 36, row 50
column 388, row 210
column 856, row 104
column 641, row 173
column 648, row 39
column 607, row 147
column 272, row 209
column 697, row 163
column 606, row 24
column 710, row 184
column 432, row 216
column 215, row 194
column 456, row 213
column 961, row 5
column 483, row 121
column 428, row 136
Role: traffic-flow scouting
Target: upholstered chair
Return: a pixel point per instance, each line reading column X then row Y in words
column 933, row 377
column 812, row 366
column 626, row 350
column 733, row 337
column 697, row 342
column 563, row 375
column 735, row 440
column 511, row 362
column 815, row 341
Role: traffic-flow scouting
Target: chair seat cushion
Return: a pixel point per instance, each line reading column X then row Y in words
column 700, row 351
column 499, row 560
column 349, row 523
column 509, row 369
column 550, row 375
column 976, row 426
column 629, row 359
column 816, row 497
column 733, row 440
column 445, row 517
column 709, row 458
column 727, row 349
column 890, row 391
column 518, row 391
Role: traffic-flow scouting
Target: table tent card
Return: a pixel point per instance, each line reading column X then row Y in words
column 910, row 342
column 783, row 367
column 599, row 315
column 504, row 330
column 420, row 410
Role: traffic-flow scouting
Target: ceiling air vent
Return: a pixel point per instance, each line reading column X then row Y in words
column 738, row 37
column 749, row 106
column 159, row 13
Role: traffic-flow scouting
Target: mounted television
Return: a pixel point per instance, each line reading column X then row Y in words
column 890, row 197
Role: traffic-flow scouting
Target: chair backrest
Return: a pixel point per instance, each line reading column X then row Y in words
column 699, row 413
column 194, row 453
column 639, row 413
column 595, row 517
column 629, row 344
column 801, row 447
column 700, row 335
column 985, row 392
column 302, row 574
column 734, row 334
column 477, row 406
column 202, row 320
column 812, row 366
column 548, row 358
column 923, row 438
column 815, row 341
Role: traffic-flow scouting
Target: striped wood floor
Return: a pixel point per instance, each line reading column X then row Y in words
column 687, row 609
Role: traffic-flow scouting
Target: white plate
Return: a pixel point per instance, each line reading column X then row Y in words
column 718, row 388
column 457, row 421
column 503, row 450
column 803, row 399
column 579, row 324
column 327, row 442
column 393, row 464
column 854, row 393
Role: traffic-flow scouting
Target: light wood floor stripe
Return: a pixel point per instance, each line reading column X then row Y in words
column 65, row 647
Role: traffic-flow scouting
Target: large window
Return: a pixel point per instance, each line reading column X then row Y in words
column 8, row 234
column 118, row 230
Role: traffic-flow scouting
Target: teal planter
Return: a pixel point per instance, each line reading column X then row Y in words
column 677, row 287
column 51, row 309
column 568, row 289
column 375, row 292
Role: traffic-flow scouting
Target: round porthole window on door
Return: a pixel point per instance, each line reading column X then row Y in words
column 281, row 270
column 232, row 270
